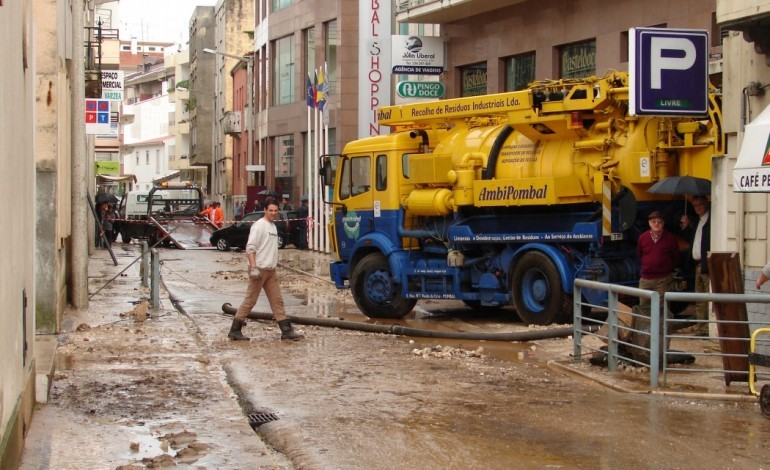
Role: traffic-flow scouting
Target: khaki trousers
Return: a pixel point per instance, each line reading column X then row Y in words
column 267, row 280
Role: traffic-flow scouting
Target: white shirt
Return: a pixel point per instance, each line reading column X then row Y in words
column 698, row 236
column 263, row 242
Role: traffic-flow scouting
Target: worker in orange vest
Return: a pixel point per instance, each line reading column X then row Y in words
column 217, row 216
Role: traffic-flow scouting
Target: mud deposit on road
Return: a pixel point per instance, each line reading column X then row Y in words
column 347, row 399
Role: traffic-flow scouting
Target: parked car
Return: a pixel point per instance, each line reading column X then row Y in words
column 237, row 234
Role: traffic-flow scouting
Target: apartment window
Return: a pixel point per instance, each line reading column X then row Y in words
column 519, row 71
column 279, row 4
column 147, row 157
column 283, row 71
column 474, row 80
column 578, row 60
column 332, row 43
column 158, row 169
column 137, row 158
column 284, row 164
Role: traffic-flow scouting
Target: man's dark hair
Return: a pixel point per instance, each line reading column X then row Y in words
column 270, row 201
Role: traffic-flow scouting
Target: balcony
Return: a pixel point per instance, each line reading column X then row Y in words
column 183, row 127
column 446, row 11
column 231, row 124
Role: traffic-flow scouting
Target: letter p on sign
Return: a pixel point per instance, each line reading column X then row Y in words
column 668, row 71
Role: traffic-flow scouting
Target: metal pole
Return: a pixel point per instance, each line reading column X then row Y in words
column 144, row 265
column 155, row 288
column 79, row 214
column 250, row 104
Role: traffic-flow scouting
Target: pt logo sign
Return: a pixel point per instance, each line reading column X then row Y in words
column 668, row 70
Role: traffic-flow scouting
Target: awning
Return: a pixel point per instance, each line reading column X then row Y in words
column 752, row 171
column 117, row 179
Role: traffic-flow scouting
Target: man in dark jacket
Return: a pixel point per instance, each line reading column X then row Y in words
column 302, row 214
column 700, row 242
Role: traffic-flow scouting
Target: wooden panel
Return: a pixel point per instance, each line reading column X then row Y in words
column 727, row 278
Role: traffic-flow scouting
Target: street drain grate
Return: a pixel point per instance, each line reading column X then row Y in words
column 258, row 419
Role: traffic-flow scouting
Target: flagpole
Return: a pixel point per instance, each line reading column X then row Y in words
column 325, row 117
column 308, row 164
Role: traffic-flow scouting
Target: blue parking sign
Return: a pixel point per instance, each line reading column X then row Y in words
column 668, row 70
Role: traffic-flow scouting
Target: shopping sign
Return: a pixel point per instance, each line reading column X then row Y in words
column 112, row 85
column 668, row 70
column 97, row 116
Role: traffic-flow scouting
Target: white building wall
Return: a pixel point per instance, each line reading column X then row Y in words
column 148, row 138
column 17, row 187
column 741, row 222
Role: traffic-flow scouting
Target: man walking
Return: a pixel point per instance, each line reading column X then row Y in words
column 262, row 254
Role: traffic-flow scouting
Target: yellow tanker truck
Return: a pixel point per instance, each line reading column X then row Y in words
column 507, row 198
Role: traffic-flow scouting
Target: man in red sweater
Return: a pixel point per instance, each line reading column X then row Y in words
column 658, row 251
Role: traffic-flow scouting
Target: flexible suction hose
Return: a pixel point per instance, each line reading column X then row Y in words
column 530, row 335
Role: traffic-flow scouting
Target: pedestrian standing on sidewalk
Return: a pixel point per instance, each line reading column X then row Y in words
column 262, row 254
column 700, row 244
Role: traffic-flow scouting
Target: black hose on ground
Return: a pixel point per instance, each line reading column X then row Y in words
column 529, row 335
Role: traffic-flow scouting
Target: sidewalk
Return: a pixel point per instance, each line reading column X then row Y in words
column 135, row 388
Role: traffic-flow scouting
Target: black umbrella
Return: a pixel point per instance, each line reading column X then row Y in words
column 682, row 185
column 268, row 193
column 106, row 197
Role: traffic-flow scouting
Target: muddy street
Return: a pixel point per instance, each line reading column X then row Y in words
column 347, row 399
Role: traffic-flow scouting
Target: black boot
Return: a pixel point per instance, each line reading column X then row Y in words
column 235, row 331
column 287, row 332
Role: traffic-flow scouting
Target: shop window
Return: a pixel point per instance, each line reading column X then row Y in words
column 474, row 80
column 519, row 71
column 578, row 60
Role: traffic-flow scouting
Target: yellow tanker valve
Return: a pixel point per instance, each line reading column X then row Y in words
column 463, row 186
column 429, row 202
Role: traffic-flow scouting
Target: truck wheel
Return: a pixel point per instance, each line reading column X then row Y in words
column 537, row 292
column 125, row 238
column 374, row 291
column 223, row 244
column 281, row 242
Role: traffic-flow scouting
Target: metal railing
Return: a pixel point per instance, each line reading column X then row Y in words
column 621, row 329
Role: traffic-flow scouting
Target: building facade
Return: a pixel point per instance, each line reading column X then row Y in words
column 234, row 40
column 201, row 99
column 741, row 223
column 292, row 40
column 29, row 107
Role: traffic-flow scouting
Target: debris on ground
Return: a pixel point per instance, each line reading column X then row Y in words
column 448, row 352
